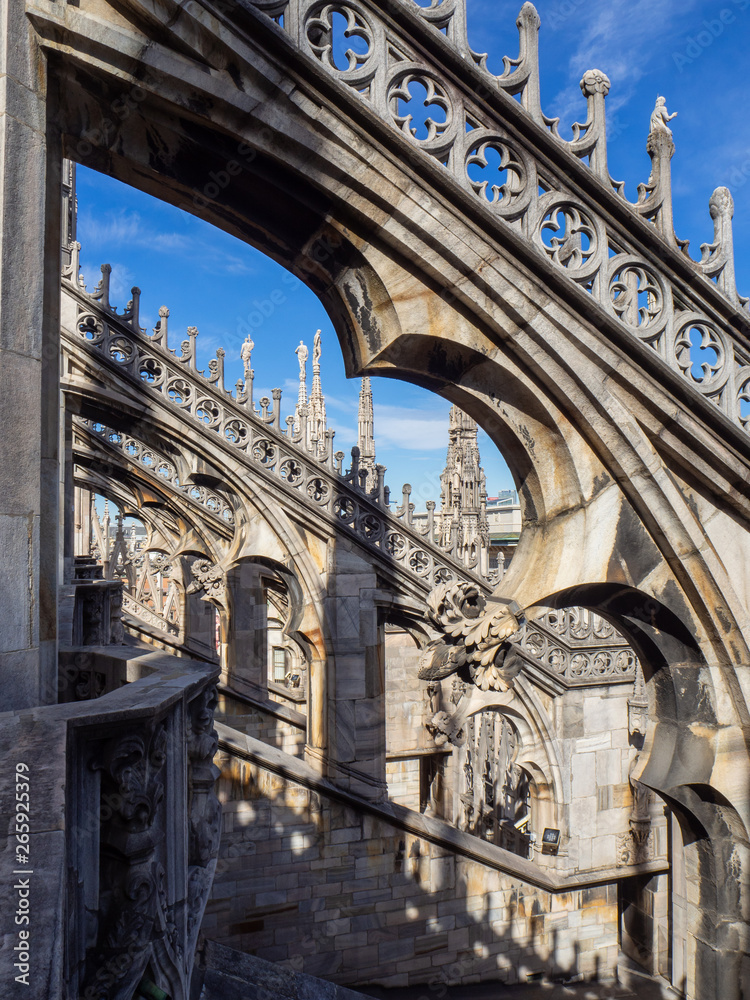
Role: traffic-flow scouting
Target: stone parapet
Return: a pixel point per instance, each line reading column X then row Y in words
column 109, row 860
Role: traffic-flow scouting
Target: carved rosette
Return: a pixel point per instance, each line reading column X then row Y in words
column 473, row 638
column 208, row 578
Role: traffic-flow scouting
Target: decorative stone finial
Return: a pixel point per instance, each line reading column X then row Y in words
column 595, row 82
column 660, row 116
column 316, row 349
column 528, row 16
column 721, row 204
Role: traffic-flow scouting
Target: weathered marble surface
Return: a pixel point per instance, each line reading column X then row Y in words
column 634, row 477
column 70, row 816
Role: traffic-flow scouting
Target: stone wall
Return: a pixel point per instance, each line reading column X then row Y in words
column 407, row 712
column 402, row 775
column 343, row 893
column 283, row 727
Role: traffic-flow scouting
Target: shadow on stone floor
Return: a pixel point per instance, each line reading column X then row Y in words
column 632, row 982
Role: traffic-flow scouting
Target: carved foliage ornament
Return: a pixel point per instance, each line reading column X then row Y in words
column 204, row 807
column 208, row 578
column 472, row 637
column 132, row 904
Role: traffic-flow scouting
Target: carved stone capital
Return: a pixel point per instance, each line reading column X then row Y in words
column 444, row 728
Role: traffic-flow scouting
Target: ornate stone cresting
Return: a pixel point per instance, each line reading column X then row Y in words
column 577, row 646
column 472, row 637
column 476, row 141
column 314, row 476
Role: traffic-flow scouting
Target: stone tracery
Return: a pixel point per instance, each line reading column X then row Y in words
column 655, row 521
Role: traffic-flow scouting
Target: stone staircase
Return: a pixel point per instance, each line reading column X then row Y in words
column 225, row 974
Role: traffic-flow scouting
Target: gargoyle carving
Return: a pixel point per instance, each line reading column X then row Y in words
column 473, row 637
column 444, row 729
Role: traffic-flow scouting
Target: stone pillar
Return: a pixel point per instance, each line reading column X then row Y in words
column 82, row 510
column 357, row 706
column 29, row 367
column 200, row 625
column 248, row 635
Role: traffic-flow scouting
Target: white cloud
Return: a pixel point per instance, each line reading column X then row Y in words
column 620, row 38
column 98, row 232
column 411, row 429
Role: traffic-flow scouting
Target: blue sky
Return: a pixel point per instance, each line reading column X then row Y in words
column 693, row 52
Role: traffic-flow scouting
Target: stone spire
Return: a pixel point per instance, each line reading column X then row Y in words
column 317, row 408
column 300, row 413
column 464, row 489
column 69, row 205
column 366, row 437
column 70, row 248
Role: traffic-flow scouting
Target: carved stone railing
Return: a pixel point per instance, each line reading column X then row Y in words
column 256, row 437
column 134, row 450
column 464, row 117
column 578, row 646
column 147, row 615
column 491, row 645
column 120, row 829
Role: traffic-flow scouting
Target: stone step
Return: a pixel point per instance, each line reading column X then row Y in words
column 225, row 974
column 633, row 984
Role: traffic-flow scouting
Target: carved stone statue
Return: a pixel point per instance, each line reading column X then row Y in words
column 246, row 353
column 316, row 349
column 660, row 116
column 302, row 355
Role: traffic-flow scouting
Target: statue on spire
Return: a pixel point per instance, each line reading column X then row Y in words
column 317, row 426
column 660, row 116
column 246, row 353
column 316, row 350
column 302, row 355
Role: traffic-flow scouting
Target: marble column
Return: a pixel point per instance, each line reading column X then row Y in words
column 248, row 631
column 29, row 367
column 357, row 695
